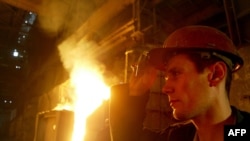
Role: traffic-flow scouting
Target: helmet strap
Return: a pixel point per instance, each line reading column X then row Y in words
column 225, row 59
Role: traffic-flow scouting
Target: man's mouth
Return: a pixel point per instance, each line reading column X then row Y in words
column 173, row 102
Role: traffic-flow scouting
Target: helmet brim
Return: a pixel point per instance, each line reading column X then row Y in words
column 158, row 56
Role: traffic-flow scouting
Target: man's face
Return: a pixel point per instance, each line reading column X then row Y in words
column 187, row 90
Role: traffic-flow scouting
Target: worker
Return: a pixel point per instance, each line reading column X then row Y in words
column 198, row 63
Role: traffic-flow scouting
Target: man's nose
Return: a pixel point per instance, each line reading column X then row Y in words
column 167, row 89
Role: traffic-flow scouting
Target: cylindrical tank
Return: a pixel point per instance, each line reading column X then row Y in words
column 126, row 114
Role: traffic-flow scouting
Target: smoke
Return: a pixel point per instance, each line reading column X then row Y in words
column 71, row 18
column 83, row 54
column 57, row 16
column 51, row 16
column 79, row 54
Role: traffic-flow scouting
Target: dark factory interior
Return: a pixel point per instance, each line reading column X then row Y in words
column 41, row 42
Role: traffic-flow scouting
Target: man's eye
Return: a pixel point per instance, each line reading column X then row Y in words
column 175, row 73
column 172, row 75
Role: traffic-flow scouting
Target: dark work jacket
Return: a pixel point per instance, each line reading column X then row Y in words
column 186, row 131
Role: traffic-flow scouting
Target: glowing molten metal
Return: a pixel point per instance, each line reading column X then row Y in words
column 90, row 92
column 86, row 79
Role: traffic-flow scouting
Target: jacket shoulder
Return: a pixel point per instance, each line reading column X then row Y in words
column 243, row 118
column 181, row 131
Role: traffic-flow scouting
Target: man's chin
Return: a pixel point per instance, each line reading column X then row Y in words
column 179, row 115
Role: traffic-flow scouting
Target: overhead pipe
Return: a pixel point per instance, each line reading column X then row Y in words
column 126, row 28
column 23, row 4
column 100, row 17
column 232, row 22
column 236, row 23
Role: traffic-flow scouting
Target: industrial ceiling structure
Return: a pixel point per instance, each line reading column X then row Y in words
column 31, row 30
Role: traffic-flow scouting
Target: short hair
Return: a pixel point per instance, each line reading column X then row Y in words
column 202, row 62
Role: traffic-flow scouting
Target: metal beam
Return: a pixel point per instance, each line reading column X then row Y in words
column 101, row 16
column 25, row 4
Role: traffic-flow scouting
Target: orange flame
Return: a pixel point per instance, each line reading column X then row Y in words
column 87, row 81
column 90, row 92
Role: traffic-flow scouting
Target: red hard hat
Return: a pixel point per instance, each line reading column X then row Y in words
column 197, row 38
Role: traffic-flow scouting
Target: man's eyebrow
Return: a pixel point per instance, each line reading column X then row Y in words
column 173, row 69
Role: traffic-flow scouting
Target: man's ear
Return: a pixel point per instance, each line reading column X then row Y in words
column 217, row 73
